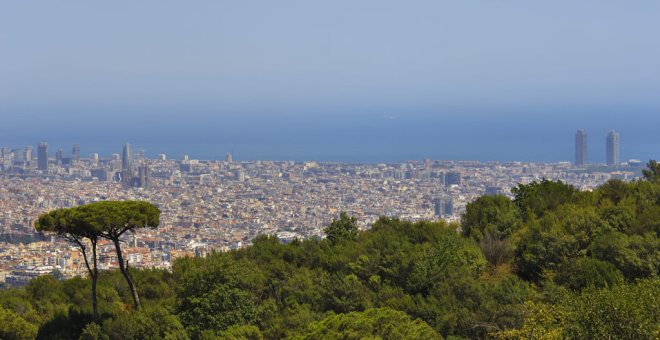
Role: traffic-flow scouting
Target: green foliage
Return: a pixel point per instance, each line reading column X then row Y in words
column 496, row 215
column 375, row 323
column 434, row 261
column 556, row 238
column 216, row 309
column 346, row 294
column 106, row 219
column 613, row 190
column 19, row 303
column 537, row 198
column 619, row 312
column 343, row 229
column 148, row 323
column 116, row 217
column 553, row 263
column 636, row 256
column 619, row 218
column 113, row 219
column 71, row 223
column 246, row 332
column 542, row 322
column 13, row 327
column 65, row 324
column 155, row 285
column 44, row 290
column 623, row 312
column 580, row 273
column 491, row 221
column 424, row 269
column 652, row 173
column 93, row 331
column 496, row 251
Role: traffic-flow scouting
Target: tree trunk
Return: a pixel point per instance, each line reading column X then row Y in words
column 93, row 273
column 127, row 276
column 95, row 277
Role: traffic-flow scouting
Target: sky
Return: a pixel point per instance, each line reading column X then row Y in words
column 332, row 80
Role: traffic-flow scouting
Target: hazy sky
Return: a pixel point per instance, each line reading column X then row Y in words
column 117, row 70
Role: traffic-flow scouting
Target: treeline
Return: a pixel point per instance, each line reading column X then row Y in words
column 554, row 262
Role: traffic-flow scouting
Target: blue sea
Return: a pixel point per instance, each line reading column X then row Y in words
column 370, row 138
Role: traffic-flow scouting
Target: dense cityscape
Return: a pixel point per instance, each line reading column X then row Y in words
column 310, row 170
column 211, row 205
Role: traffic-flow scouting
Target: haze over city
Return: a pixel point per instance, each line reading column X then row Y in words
column 299, row 169
column 372, row 81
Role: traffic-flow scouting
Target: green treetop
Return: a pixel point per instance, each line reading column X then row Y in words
column 345, row 228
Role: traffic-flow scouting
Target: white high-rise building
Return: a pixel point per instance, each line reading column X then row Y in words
column 612, row 153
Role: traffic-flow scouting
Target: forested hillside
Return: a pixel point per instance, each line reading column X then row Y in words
column 554, row 262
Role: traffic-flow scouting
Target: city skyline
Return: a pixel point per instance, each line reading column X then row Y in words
column 426, row 169
column 222, row 205
column 127, row 158
column 365, row 141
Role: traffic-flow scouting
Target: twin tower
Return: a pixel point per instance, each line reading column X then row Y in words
column 611, row 153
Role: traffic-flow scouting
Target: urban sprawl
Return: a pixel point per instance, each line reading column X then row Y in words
column 218, row 205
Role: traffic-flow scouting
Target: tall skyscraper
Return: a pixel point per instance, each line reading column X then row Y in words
column 28, row 153
column 127, row 162
column 580, row 147
column 229, row 158
column 19, row 156
column 443, row 206
column 612, row 141
column 75, row 152
column 42, row 156
column 59, row 155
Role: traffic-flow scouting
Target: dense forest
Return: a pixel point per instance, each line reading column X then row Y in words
column 554, row 262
